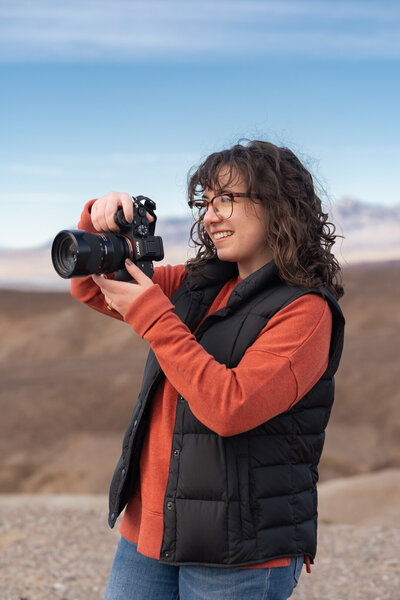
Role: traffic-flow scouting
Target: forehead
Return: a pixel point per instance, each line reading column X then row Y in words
column 226, row 179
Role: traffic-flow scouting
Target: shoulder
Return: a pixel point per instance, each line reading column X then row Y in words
column 306, row 313
column 310, row 302
column 304, row 325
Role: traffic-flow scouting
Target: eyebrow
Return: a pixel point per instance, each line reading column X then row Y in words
column 223, row 191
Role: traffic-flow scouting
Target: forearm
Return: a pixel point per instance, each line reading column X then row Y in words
column 228, row 401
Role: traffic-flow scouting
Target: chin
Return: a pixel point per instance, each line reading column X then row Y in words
column 221, row 254
column 226, row 256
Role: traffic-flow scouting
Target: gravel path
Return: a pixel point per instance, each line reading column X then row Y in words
column 60, row 548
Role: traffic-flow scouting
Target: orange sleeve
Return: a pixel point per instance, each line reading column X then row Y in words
column 85, row 290
column 285, row 361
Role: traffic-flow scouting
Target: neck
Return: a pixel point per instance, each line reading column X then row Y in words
column 249, row 267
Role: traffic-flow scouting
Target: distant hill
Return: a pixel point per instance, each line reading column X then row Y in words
column 354, row 214
column 69, row 378
column 174, row 232
column 371, row 233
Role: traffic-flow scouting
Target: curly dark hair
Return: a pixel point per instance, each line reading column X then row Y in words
column 297, row 230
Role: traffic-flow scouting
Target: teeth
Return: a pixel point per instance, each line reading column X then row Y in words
column 222, row 234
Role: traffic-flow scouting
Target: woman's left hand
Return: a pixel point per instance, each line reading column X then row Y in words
column 119, row 295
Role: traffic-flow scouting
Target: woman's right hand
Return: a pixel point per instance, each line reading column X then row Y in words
column 104, row 209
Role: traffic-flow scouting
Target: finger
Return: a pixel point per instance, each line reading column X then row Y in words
column 100, row 221
column 114, row 202
column 150, row 218
column 127, row 206
column 137, row 273
column 98, row 279
column 105, row 209
column 94, row 216
column 110, row 212
column 108, row 286
column 111, row 204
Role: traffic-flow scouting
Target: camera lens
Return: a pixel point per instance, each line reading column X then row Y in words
column 77, row 253
column 67, row 254
column 64, row 253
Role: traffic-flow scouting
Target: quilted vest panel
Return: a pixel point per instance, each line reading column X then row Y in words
column 247, row 498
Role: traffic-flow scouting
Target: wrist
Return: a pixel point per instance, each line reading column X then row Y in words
column 147, row 309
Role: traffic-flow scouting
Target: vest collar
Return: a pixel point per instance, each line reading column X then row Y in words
column 217, row 272
column 262, row 279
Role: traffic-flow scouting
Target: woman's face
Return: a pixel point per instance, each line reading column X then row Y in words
column 244, row 232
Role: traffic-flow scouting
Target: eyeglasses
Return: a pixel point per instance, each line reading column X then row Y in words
column 222, row 205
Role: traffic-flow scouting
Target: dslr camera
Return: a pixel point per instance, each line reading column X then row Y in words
column 76, row 253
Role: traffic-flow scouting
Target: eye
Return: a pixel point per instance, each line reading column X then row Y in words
column 199, row 208
column 200, row 203
column 224, row 199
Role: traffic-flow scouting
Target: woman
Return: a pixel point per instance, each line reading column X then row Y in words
column 219, row 465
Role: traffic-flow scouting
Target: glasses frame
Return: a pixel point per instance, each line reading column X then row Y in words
column 231, row 195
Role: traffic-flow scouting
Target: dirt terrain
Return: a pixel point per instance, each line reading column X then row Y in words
column 58, row 547
column 69, row 378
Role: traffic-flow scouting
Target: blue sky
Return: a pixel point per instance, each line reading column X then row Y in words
column 128, row 95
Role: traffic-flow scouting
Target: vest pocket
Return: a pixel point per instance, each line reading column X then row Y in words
column 244, row 496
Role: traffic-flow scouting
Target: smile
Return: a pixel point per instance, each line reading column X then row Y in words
column 222, row 234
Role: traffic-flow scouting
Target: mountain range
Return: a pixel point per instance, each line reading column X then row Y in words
column 370, row 233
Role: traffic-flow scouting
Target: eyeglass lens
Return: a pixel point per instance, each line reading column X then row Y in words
column 222, row 205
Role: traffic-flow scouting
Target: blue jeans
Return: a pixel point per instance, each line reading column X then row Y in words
column 137, row 577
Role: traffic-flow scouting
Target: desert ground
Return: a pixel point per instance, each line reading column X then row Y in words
column 58, row 547
column 69, row 379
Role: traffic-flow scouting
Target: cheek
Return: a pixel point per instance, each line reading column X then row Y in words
column 256, row 212
column 256, row 223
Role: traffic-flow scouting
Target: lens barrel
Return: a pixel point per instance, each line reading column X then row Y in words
column 76, row 253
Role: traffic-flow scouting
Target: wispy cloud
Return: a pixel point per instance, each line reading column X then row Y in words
column 61, row 165
column 94, row 30
column 31, row 169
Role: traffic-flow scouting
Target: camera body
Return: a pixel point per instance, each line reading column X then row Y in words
column 145, row 246
column 77, row 253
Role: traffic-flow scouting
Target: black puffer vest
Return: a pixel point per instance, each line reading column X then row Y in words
column 251, row 497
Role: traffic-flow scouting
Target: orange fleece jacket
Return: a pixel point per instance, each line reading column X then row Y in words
column 286, row 360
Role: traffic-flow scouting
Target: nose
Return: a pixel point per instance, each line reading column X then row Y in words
column 210, row 216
